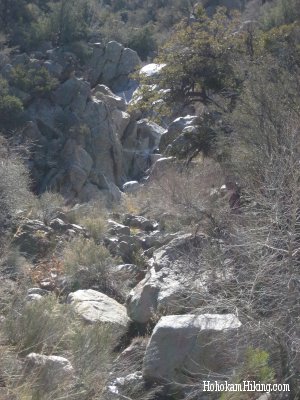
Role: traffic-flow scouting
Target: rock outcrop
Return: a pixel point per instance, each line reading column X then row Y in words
column 83, row 143
column 112, row 64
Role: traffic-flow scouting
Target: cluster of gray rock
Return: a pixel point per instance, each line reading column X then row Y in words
column 84, row 143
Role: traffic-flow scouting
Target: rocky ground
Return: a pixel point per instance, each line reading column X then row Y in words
column 160, row 330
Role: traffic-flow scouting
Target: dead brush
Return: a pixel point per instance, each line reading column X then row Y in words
column 184, row 195
column 47, row 270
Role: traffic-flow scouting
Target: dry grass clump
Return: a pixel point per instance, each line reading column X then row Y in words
column 96, row 226
column 131, row 204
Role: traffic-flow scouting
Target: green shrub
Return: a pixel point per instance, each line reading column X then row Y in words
column 10, row 110
column 142, row 41
column 31, row 34
column 36, row 81
column 10, row 106
column 82, row 50
column 256, row 368
column 69, row 20
column 280, row 12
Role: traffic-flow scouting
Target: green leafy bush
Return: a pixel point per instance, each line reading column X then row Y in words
column 142, row 41
column 256, row 368
column 36, row 81
column 82, row 50
column 200, row 64
column 10, row 110
column 11, row 107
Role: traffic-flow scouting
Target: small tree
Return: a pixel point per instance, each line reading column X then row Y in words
column 199, row 58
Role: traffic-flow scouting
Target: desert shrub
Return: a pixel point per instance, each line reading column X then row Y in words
column 36, row 81
column 88, row 266
column 13, row 267
column 69, row 20
column 280, row 12
column 32, row 27
column 89, row 348
column 131, row 204
column 264, row 120
column 50, row 328
column 82, row 50
column 92, row 347
column 10, row 110
column 38, row 326
column 14, row 264
column 95, row 226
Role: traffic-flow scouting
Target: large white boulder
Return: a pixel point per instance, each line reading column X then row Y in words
column 94, row 306
column 151, row 70
column 192, row 344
